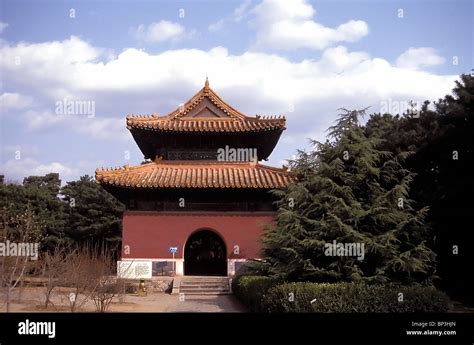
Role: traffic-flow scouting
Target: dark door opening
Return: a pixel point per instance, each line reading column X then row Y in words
column 205, row 255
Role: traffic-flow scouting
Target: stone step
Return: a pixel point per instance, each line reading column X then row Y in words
column 196, row 293
column 205, row 279
column 204, row 285
column 207, row 292
column 209, row 287
column 184, row 287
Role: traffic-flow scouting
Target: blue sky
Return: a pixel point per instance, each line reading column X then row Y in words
column 301, row 59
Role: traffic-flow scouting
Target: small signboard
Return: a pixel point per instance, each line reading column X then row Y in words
column 134, row 269
column 173, row 250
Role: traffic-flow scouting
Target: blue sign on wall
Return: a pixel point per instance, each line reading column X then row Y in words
column 173, row 250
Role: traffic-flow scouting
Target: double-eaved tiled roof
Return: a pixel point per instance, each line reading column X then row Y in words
column 183, row 119
column 195, row 174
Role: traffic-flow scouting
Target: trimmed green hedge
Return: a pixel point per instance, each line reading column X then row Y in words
column 353, row 298
column 264, row 294
column 251, row 289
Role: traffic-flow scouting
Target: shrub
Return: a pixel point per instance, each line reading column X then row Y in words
column 251, row 289
column 353, row 298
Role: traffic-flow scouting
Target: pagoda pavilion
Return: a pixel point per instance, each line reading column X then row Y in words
column 195, row 206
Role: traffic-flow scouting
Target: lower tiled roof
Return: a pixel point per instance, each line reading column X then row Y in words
column 195, row 174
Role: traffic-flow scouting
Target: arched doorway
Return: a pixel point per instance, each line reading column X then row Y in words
column 205, row 254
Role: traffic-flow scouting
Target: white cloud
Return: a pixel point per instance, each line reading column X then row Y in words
column 134, row 74
column 41, row 120
column 10, row 100
column 101, row 128
column 12, row 150
column 141, row 83
column 272, row 11
column 161, row 31
column 72, row 50
column 237, row 15
column 3, row 26
column 416, row 58
column 286, row 25
column 241, row 11
column 18, row 169
column 217, row 26
column 30, row 65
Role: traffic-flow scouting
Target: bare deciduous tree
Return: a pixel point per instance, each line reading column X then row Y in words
column 77, row 281
column 53, row 270
column 88, row 273
column 107, row 286
column 22, row 229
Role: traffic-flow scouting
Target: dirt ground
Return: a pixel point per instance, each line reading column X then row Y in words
column 31, row 299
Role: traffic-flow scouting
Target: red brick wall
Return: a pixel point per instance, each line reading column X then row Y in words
column 150, row 234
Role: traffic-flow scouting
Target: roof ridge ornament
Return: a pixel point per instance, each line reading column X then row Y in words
column 254, row 161
column 206, row 84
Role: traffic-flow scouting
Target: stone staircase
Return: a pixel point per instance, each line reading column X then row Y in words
column 202, row 285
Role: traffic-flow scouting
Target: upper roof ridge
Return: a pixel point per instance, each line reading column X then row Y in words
column 206, row 92
column 234, row 120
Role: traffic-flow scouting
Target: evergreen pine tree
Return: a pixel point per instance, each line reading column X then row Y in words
column 349, row 191
column 94, row 214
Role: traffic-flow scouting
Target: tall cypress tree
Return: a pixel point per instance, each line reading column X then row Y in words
column 348, row 190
